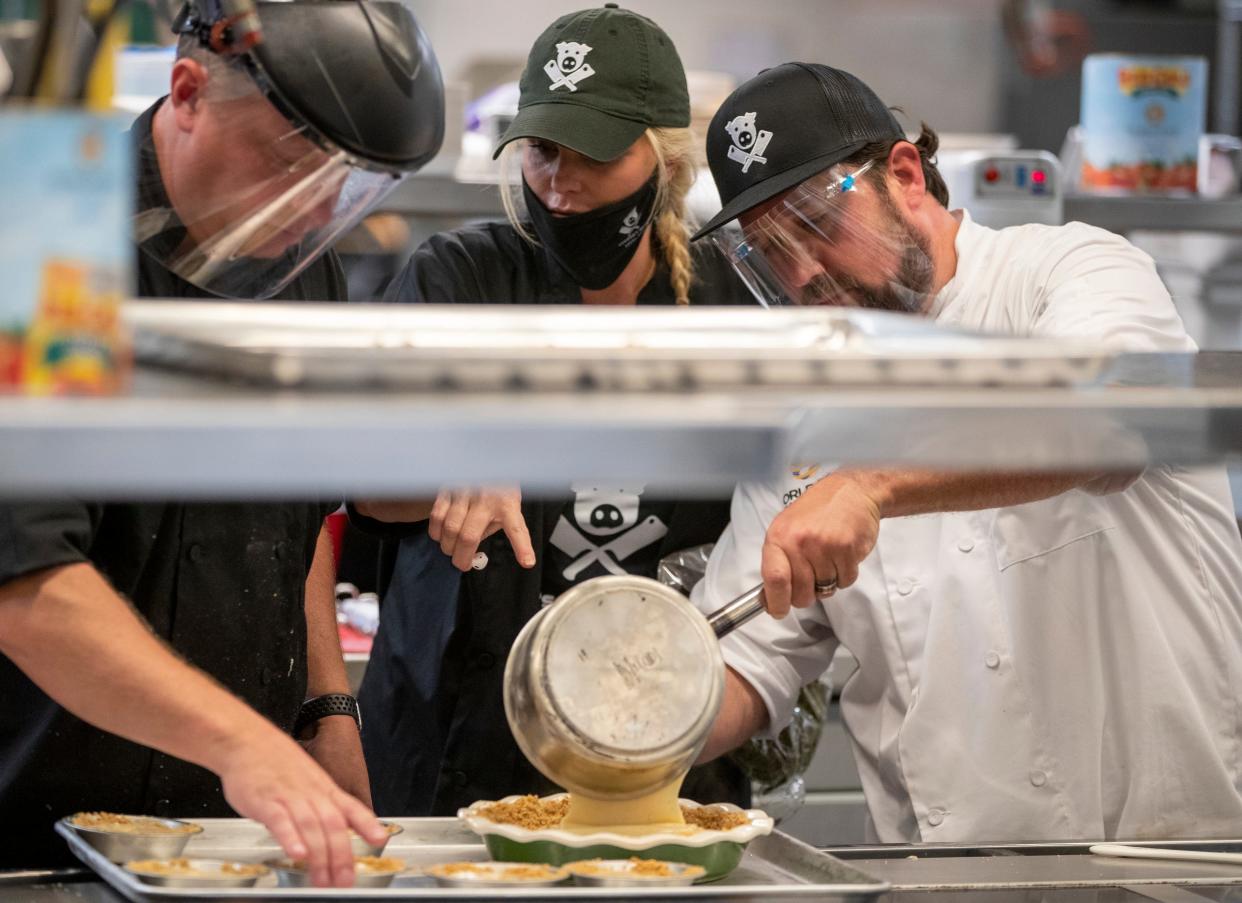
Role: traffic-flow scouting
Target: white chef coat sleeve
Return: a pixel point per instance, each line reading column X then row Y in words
column 777, row 658
column 1096, row 285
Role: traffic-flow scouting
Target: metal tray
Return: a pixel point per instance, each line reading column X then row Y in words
column 576, row 347
column 776, row 865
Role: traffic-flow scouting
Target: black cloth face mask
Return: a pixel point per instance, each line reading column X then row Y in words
column 594, row 247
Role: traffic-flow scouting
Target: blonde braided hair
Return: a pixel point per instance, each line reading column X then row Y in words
column 674, row 153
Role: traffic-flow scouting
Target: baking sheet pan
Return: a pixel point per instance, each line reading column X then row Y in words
column 776, row 865
column 559, row 348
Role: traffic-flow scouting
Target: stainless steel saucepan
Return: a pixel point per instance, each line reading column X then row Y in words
column 612, row 689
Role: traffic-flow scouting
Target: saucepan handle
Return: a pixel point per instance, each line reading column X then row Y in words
column 732, row 616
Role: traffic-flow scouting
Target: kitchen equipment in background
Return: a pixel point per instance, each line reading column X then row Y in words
column 1142, row 118
column 1220, row 166
column 142, row 73
column 1004, row 187
column 1227, row 113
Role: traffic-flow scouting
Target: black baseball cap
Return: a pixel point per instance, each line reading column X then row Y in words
column 596, row 80
column 785, row 125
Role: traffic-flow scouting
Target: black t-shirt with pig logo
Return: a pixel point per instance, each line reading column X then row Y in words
column 604, row 530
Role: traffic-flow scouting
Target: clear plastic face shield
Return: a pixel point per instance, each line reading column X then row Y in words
column 249, row 196
column 835, row 239
column 285, row 124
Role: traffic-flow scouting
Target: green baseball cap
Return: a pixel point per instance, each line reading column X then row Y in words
column 596, row 80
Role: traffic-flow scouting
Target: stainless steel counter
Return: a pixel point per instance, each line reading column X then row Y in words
column 1126, row 214
column 86, row 892
column 1020, row 873
column 59, row 886
column 928, row 867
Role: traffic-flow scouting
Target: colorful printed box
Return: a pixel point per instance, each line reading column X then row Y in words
column 66, row 255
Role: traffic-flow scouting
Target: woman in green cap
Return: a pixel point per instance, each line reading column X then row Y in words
column 603, row 144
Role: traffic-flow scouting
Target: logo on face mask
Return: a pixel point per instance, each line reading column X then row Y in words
column 569, row 67
column 630, row 227
column 748, row 142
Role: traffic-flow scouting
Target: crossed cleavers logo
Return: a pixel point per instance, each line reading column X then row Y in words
column 569, row 67
column 605, row 529
column 631, row 228
column 749, row 143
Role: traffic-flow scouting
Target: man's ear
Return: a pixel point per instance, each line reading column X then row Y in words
column 185, row 94
column 905, row 168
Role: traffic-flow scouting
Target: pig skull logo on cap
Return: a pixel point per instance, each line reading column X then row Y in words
column 749, row 142
column 570, row 66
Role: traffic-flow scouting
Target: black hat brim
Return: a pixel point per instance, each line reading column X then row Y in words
column 769, row 188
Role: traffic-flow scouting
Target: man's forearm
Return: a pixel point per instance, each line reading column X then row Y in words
column 84, row 646
column 742, row 715
column 325, row 664
column 900, row 493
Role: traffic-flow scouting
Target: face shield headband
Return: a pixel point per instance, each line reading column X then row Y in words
column 836, row 239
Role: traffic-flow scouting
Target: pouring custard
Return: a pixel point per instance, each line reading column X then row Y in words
column 610, row 692
column 656, row 810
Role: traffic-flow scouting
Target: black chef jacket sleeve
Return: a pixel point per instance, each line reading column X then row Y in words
column 445, row 269
column 42, row 535
column 384, row 529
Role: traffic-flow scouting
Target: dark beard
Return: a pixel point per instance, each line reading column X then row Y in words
column 905, row 293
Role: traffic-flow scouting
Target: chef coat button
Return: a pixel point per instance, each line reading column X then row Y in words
column 265, row 676
column 484, row 661
column 935, row 817
column 195, row 552
column 163, row 807
column 278, row 551
column 965, row 545
column 1038, row 778
column 992, row 660
column 905, row 587
column 459, row 778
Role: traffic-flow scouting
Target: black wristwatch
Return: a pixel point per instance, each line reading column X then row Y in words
column 322, row 706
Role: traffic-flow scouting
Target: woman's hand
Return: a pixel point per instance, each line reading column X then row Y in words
column 463, row 518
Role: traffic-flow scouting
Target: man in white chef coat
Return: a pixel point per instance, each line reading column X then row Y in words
column 1041, row 657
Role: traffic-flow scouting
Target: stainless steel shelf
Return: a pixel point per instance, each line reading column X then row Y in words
column 1126, row 214
column 180, row 437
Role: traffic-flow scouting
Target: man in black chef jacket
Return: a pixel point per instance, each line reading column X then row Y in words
column 156, row 657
